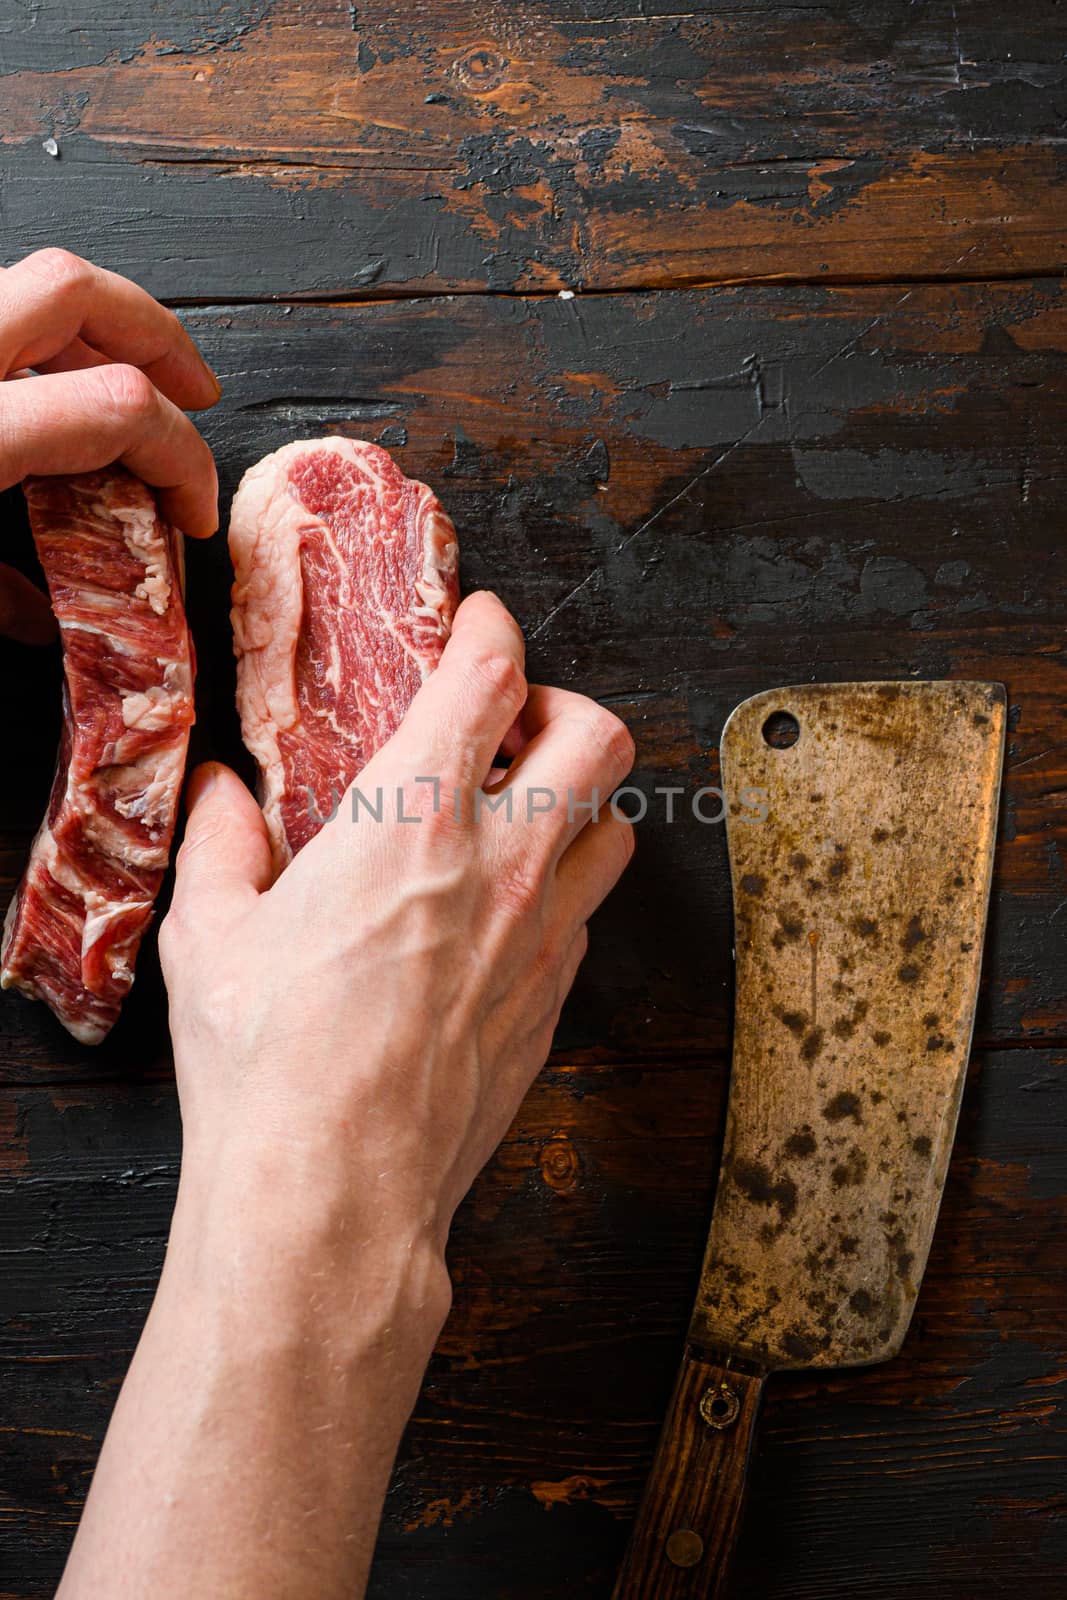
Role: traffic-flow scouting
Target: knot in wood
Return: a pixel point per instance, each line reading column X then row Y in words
column 559, row 1163
column 481, row 70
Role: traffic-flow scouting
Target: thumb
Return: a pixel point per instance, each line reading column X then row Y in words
column 225, row 856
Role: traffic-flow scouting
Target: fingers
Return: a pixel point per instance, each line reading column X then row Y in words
column 462, row 713
column 78, row 421
column 25, row 613
column 576, row 754
column 54, row 305
column 224, row 862
column 74, row 322
column 590, row 869
column 514, row 740
column 74, row 358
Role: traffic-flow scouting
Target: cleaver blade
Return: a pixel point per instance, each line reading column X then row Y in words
column 861, row 830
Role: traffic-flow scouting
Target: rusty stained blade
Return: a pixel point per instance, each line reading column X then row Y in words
column 860, row 907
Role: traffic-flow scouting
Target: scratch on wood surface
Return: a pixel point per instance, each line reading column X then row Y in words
column 850, row 344
column 685, row 490
column 605, row 168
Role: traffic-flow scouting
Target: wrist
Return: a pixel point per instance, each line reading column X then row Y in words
column 299, row 1253
column 261, row 1415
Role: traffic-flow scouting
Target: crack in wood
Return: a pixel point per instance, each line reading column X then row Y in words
column 270, row 162
column 340, row 298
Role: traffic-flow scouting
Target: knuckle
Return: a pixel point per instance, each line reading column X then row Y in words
column 612, row 736
column 502, row 673
column 172, row 933
column 128, row 390
column 171, row 322
column 62, row 270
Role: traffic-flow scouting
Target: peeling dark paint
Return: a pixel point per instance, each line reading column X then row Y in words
column 58, row 35
column 803, row 483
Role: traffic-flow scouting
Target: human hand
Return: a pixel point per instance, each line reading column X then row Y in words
column 356, row 1038
column 102, row 372
column 351, row 1043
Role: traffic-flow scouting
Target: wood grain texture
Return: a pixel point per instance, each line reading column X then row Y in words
column 281, row 147
column 575, row 1260
column 687, row 497
column 682, row 1543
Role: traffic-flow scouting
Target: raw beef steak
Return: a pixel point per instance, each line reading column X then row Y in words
column 114, row 573
column 345, row 586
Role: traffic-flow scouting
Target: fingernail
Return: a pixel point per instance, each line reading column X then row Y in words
column 215, row 384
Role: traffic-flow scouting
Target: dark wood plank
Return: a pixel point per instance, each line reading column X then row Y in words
column 686, row 498
column 575, row 1261
column 317, row 147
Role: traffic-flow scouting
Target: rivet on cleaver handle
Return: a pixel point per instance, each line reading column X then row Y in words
column 861, row 882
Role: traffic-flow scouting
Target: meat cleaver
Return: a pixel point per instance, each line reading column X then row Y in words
column 861, row 827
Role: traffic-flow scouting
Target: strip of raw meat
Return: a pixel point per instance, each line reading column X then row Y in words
column 114, row 573
column 344, row 591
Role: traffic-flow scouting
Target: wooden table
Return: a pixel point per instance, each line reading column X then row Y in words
column 733, row 338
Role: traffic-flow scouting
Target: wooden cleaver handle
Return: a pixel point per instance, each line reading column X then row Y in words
column 687, row 1526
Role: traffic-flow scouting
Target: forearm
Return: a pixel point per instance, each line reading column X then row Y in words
column 351, row 1041
column 252, row 1443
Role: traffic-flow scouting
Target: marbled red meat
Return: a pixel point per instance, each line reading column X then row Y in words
column 114, row 574
column 344, row 591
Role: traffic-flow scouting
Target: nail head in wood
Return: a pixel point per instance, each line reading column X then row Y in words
column 685, row 1548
